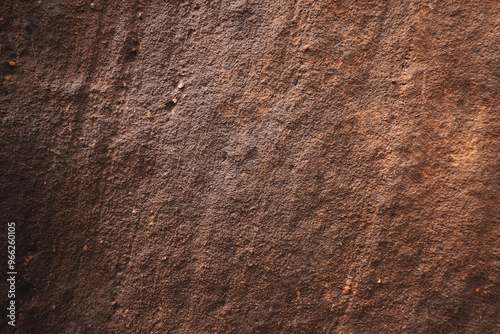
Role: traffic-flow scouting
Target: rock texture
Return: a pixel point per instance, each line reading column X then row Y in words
column 252, row 166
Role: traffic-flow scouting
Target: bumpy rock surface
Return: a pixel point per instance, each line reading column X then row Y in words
column 251, row 166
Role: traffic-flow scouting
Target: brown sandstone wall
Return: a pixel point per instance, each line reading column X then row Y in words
column 251, row 166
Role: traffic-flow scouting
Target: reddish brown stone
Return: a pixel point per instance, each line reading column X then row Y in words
column 251, row 166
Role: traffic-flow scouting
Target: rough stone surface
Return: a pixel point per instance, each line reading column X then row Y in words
column 251, row 166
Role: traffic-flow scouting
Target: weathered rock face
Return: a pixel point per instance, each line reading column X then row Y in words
column 252, row 166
